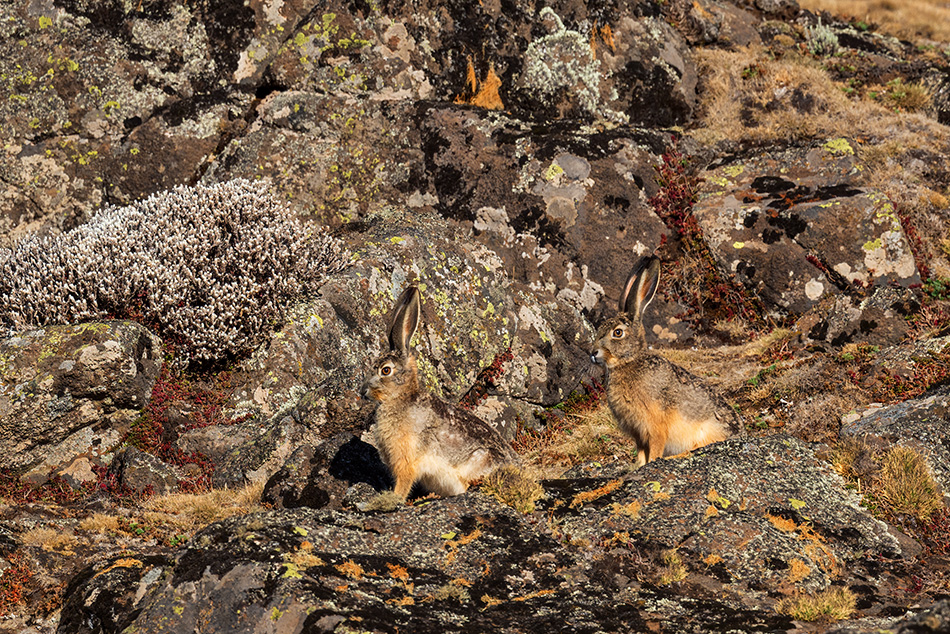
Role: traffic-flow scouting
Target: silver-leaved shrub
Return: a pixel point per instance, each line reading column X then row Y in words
column 211, row 266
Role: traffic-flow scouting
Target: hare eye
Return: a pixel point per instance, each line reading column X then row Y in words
column 617, row 333
column 386, row 370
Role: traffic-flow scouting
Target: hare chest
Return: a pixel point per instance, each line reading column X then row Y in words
column 663, row 415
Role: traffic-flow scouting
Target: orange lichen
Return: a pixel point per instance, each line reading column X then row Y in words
column 482, row 94
column 588, row 496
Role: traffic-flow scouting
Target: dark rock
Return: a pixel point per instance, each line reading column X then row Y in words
column 321, row 477
column 143, row 473
column 114, row 600
column 742, row 501
column 807, row 234
column 922, row 423
column 67, row 391
column 466, row 563
column 879, row 319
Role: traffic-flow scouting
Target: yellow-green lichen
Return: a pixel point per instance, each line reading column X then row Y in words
column 839, row 147
column 733, row 170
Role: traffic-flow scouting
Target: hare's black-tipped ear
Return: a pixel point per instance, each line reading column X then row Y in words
column 405, row 320
column 641, row 286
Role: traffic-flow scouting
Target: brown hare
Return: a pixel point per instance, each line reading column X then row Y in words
column 664, row 408
column 420, row 438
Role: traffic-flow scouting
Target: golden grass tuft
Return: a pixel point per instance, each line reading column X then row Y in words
column 189, row 513
column 907, row 486
column 100, row 523
column 52, row 540
column 832, row 604
column 514, row 486
column 674, row 570
column 589, row 436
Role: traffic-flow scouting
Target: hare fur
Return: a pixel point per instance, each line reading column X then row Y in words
column 664, row 408
column 419, row 437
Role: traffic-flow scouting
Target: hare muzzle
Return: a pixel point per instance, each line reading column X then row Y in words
column 597, row 356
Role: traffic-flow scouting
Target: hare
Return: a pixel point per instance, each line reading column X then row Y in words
column 664, row 408
column 420, row 438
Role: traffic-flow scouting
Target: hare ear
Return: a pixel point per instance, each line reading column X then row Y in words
column 405, row 320
column 641, row 286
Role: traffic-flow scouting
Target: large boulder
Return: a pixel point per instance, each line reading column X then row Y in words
column 739, row 524
column 473, row 314
column 71, row 392
column 795, row 227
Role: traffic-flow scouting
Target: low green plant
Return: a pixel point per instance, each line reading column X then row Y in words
column 821, row 40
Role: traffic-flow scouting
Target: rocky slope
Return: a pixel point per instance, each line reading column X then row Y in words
column 789, row 169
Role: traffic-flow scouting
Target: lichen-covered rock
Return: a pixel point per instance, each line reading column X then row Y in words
column 143, row 473
column 795, row 228
column 463, row 564
column 922, row 423
column 472, row 314
column 696, row 544
column 878, row 319
column 102, row 109
column 733, row 505
column 67, row 391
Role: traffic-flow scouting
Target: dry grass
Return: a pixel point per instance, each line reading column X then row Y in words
column 909, row 19
column 188, row 513
column 832, row 604
column 100, row 523
column 907, row 486
column 746, row 95
column 514, row 486
column 674, row 570
column 588, row 436
column 53, row 540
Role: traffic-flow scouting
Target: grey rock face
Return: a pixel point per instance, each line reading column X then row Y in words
column 67, row 391
column 792, row 227
column 590, row 559
column 922, row 423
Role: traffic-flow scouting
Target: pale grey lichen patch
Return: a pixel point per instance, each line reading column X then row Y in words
column 563, row 60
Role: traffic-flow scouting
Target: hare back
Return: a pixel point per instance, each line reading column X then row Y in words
column 460, row 435
column 652, row 398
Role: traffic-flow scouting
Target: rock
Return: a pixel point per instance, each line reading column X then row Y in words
column 879, row 319
column 143, row 473
column 737, row 503
column 922, row 423
column 794, row 227
column 322, row 476
column 115, row 121
column 67, row 391
column 472, row 313
column 591, row 558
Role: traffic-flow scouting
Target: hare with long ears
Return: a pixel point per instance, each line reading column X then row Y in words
column 420, row 438
column 663, row 407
